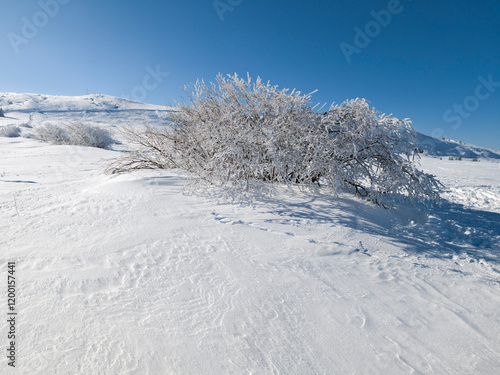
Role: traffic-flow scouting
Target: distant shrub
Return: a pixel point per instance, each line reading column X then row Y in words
column 74, row 134
column 52, row 133
column 10, row 131
column 475, row 159
column 86, row 135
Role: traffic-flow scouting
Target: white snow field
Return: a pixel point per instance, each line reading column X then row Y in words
column 127, row 275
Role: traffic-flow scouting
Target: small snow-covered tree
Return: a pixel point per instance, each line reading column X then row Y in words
column 234, row 132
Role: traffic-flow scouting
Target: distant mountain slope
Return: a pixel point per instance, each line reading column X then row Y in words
column 437, row 147
column 53, row 103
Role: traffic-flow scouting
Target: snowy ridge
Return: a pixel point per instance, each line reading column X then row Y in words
column 446, row 148
column 53, row 103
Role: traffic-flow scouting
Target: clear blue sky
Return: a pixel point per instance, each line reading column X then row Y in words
column 434, row 61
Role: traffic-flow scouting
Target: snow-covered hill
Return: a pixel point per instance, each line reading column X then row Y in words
column 446, row 148
column 128, row 275
column 19, row 102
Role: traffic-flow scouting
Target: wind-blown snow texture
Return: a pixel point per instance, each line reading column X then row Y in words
column 126, row 275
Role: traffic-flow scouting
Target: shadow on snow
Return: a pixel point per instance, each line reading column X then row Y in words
column 442, row 231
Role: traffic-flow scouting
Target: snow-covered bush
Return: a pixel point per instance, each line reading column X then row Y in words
column 74, row 134
column 87, row 135
column 51, row 133
column 235, row 132
column 10, row 131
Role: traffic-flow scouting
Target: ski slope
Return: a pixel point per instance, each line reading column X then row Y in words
column 128, row 275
